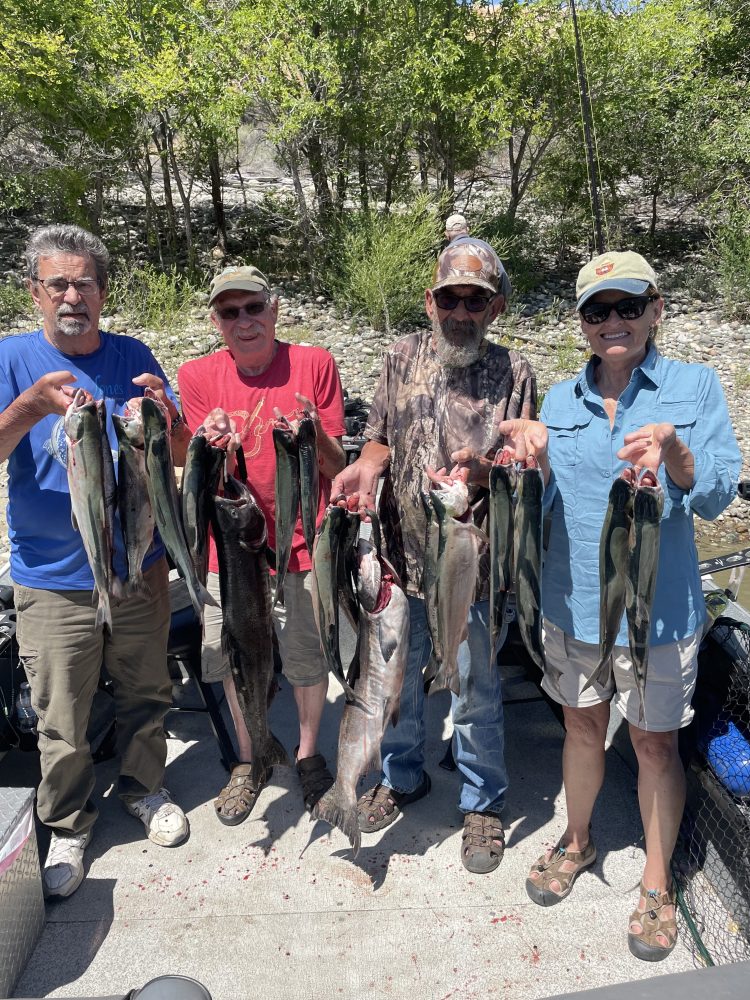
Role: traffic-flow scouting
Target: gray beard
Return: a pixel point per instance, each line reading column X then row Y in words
column 72, row 325
column 457, row 344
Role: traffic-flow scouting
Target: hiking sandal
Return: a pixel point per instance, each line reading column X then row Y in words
column 654, row 925
column 482, row 842
column 315, row 779
column 550, row 868
column 379, row 806
column 237, row 798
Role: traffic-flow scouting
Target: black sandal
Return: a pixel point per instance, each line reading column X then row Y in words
column 315, row 778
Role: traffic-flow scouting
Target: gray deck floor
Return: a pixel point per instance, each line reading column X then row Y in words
column 277, row 908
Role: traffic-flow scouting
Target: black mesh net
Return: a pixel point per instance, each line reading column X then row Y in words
column 712, row 863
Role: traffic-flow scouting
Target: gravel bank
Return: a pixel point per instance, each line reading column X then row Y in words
column 540, row 324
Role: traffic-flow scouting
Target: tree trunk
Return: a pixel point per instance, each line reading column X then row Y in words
column 160, row 141
column 152, row 213
column 188, row 222
column 654, row 197
column 364, row 191
column 316, row 161
column 214, row 169
column 237, row 168
column 304, row 215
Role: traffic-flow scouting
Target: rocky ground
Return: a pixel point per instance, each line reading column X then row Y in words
column 541, row 324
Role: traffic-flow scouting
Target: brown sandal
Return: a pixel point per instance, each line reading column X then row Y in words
column 379, row 806
column 549, row 868
column 237, row 798
column 653, row 924
column 482, row 842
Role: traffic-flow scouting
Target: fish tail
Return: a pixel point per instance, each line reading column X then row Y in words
column 103, row 612
column 343, row 815
column 444, row 680
column 273, row 753
column 430, row 673
column 136, row 586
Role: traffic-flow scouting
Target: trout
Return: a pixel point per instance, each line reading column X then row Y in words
column 136, row 512
column 383, row 641
column 460, row 545
column 309, row 478
column 162, row 490
column 502, row 487
column 247, row 629
column 200, row 476
column 286, row 502
column 527, row 557
column 86, row 483
column 643, row 564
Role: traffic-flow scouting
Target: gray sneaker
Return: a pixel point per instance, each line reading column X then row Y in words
column 63, row 869
column 166, row 824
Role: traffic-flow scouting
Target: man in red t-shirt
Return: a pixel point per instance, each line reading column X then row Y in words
column 252, row 378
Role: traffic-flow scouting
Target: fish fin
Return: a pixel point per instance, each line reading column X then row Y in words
column 392, row 712
column 445, row 680
column 430, row 673
column 74, row 521
column 271, row 558
column 103, row 613
column 331, row 809
column 273, row 753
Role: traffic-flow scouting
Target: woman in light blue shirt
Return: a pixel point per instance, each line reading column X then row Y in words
column 629, row 406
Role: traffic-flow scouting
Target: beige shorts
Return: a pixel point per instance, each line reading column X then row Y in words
column 670, row 680
column 303, row 663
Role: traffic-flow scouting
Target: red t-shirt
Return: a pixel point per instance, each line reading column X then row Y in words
column 214, row 381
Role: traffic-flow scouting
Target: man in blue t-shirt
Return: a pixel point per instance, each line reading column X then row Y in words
column 61, row 648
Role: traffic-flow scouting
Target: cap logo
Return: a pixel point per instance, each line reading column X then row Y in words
column 605, row 268
column 467, row 264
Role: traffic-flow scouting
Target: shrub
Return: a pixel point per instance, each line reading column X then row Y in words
column 151, row 297
column 379, row 265
column 731, row 254
column 14, row 302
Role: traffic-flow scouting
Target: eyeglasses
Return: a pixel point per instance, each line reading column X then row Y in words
column 632, row 308
column 233, row 312
column 55, row 287
column 449, row 300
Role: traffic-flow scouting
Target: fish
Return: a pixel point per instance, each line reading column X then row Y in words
column 329, row 540
column 383, row 640
column 239, row 528
column 430, row 579
column 287, row 497
column 501, row 520
column 309, row 477
column 200, row 475
column 86, row 484
column 614, row 549
column 134, row 504
column 460, row 546
column 527, row 557
column 162, row 490
column 109, row 489
column 643, row 564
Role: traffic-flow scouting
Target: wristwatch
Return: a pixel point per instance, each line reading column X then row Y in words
column 177, row 421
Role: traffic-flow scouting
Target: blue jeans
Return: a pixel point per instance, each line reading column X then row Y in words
column 477, row 714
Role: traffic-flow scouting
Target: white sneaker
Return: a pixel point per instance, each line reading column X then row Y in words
column 166, row 824
column 63, row 869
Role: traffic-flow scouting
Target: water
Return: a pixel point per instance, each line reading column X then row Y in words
column 707, row 550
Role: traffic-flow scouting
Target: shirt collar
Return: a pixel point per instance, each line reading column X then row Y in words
column 650, row 368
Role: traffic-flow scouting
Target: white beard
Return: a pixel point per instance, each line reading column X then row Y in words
column 457, row 343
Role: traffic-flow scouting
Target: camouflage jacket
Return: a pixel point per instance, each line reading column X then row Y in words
column 424, row 411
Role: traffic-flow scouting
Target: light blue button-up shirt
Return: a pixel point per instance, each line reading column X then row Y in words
column 583, row 455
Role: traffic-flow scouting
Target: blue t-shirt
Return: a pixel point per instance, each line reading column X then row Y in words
column 583, row 455
column 46, row 550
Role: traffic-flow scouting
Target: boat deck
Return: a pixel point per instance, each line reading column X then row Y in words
column 277, row 907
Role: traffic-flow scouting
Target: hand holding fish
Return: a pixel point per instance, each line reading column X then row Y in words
column 220, row 430
column 647, row 448
column 150, row 381
column 527, row 439
column 361, row 477
column 49, row 394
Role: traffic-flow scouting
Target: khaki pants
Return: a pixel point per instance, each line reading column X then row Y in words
column 62, row 656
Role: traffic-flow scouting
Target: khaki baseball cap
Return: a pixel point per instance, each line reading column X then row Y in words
column 241, row 279
column 468, row 263
column 624, row 270
column 456, row 224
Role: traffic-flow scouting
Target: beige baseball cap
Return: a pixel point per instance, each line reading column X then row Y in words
column 241, row 279
column 456, row 224
column 623, row 270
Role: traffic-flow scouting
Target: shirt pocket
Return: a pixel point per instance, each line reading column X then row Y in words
column 566, row 436
column 683, row 413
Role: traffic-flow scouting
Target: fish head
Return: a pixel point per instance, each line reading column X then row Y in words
column 370, row 574
column 239, row 505
column 80, row 411
column 155, row 415
column 129, row 428
column 453, row 497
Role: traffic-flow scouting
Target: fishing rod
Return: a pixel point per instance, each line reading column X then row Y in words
column 586, row 117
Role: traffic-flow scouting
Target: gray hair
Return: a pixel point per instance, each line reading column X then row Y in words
column 50, row 241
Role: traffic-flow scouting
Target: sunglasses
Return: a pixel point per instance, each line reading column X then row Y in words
column 632, row 308
column 233, row 312
column 449, row 300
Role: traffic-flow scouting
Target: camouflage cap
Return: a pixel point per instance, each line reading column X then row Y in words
column 240, row 279
column 471, row 262
column 625, row 271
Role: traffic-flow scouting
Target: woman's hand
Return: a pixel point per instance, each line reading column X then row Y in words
column 527, row 439
column 649, row 446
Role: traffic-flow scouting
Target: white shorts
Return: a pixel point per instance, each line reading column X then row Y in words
column 670, row 680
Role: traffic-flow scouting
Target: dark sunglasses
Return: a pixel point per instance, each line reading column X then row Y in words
column 632, row 308
column 449, row 300
column 233, row 312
